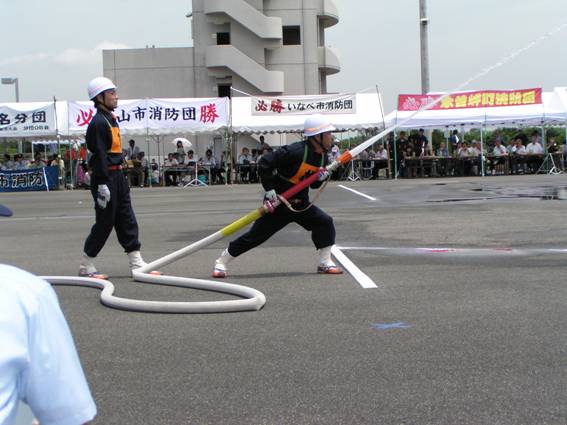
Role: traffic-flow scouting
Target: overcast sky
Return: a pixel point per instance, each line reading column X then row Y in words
column 54, row 46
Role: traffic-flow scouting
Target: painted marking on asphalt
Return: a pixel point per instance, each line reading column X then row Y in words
column 354, row 271
column 437, row 250
column 456, row 251
column 358, row 193
column 90, row 216
column 395, row 325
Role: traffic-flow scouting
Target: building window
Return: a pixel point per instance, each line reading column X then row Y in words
column 224, row 90
column 223, row 38
column 291, row 35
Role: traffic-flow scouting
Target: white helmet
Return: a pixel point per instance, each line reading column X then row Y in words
column 98, row 85
column 317, row 124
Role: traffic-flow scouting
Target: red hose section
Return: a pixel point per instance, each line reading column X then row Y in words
column 288, row 194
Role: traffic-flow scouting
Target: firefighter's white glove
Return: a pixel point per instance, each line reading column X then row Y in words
column 323, row 175
column 271, row 196
column 103, row 196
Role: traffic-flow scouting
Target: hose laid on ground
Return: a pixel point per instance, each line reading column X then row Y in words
column 253, row 299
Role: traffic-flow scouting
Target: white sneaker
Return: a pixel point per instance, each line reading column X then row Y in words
column 329, row 269
column 219, row 270
column 135, row 260
column 88, row 269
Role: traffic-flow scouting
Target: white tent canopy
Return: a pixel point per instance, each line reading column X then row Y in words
column 212, row 115
column 551, row 111
column 368, row 114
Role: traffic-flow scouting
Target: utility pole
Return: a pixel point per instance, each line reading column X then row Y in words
column 423, row 23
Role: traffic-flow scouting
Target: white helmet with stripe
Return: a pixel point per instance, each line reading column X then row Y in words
column 317, row 124
column 98, row 85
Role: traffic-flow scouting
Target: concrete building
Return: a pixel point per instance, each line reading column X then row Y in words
column 271, row 47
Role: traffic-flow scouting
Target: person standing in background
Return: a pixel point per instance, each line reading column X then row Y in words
column 109, row 186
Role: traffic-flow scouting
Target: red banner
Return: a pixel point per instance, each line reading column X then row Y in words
column 473, row 99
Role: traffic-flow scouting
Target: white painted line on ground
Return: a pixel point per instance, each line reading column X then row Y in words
column 89, row 216
column 358, row 193
column 456, row 251
column 362, row 248
column 354, row 271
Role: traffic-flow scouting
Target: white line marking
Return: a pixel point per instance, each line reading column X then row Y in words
column 354, row 271
column 358, row 193
column 90, row 216
column 456, row 251
column 362, row 248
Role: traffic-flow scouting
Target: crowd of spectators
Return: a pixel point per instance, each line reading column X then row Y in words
column 181, row 167
column 18, row 162
column 459, row 157
column 518, row 156
column 414, row 156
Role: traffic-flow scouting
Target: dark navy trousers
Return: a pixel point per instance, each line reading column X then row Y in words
column 313, row 219
column 118, row 214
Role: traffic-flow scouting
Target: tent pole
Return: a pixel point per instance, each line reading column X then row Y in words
column 226, row 155
column 565, row 147
column 70, row 150
column 564, row 155
column 148, row 173
column 395, row 151
column 58, row 142
column 233, row 146
column 228, row 142
column 396, row 143
column 482, row 171
column 381, row 107
column 543, row 142
column 159, row 158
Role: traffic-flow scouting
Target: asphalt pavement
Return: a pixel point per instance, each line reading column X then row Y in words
column 466, row 324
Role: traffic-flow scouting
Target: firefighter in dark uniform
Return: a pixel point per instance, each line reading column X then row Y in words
column 279, row 171
column 109, row 186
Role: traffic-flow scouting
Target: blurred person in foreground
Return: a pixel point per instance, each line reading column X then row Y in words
column 39, row 364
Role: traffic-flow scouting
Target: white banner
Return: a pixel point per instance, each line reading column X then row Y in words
column 304, row 105
column 157, row 115
column 195, row 115
column 27, row 119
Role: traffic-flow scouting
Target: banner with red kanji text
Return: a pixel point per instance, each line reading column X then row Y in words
column 158, row 115
column 473, row 99
column 304, row 105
